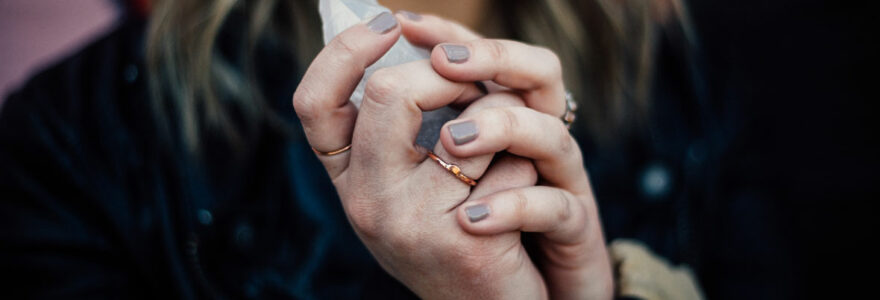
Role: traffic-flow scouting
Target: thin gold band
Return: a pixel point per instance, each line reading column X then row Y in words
column 455, row 170
column 334, row 152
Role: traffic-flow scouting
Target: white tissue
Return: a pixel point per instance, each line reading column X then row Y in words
column 339, row 15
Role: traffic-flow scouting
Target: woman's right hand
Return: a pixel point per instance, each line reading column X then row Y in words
column 401, row 204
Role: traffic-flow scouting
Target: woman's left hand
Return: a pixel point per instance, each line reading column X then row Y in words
column 562, row 209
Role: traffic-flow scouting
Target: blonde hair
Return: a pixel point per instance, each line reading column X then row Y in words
column 612, row 43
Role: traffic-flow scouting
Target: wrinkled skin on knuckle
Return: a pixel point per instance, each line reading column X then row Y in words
column 364, row 217
column 344, row 54
column 305, row 104
column 366, row 207
column 572, row 225
column 383, row 87
column 580, row 220
column 569, row 148
column 566, row 144
column 564, row 211
column 521, row 204
column 508, row 120
column 496, row 50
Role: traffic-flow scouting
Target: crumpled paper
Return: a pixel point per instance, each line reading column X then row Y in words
column 338, row 15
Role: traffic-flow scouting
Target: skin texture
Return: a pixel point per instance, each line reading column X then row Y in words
column 411, row 213
column 573, row 257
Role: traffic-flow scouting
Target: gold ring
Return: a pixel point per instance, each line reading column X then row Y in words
column 452, row 168
column 334, row 152
column 570, row 107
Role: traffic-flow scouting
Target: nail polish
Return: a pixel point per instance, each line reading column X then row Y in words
column 382, row 23
column 464, row 132
column 477, row 212
column 411, row 15
column 456, row 53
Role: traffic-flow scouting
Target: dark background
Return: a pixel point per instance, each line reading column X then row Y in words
column 796, row 81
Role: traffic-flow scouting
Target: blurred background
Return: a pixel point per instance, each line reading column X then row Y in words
column 34, row 34
column 795, row 78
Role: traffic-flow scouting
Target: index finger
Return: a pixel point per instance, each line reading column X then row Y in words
column 322, row 98
column 527, row 133
column 534, row 71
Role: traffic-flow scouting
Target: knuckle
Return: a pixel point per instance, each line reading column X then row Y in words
column 509, row 121
column 566, row 143
column 495, row 49
column 364, row 219
column 520, row 204
column 305, row 104
column 571, row 216
column 565, row 211
column 342, row 51
column 382, row 86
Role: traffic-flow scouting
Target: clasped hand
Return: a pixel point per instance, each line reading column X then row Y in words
column 439, row 236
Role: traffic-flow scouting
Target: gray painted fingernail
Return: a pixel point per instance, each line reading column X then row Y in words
column 411, row 15
column 382, row 23
column 464, row 132
column 477, row 212
column 456, row 53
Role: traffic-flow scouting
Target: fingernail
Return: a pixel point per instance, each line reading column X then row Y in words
column 382, row 23
column 410, row 15
column 456, row 53
column 477, row 212
column 464, row 132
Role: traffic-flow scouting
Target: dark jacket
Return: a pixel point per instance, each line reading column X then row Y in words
column 95, row 205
